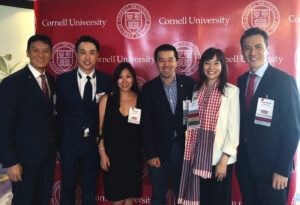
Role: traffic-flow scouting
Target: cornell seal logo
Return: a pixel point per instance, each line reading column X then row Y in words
column 188, row 57
column 55, row 200
column 63, row 57
column 133, row 21
column 261, row 14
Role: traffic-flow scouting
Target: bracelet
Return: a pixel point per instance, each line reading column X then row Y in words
column 99, row 137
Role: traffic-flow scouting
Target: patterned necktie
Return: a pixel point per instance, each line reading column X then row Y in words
column 87, row 94
column 45, row 88
column 250, row 90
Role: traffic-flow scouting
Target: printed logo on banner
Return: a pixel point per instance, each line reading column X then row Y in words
column 188, row 57
column 140, row 81
column 55, row 200
column 63, row 57
column 261, row 14
column 133, row 21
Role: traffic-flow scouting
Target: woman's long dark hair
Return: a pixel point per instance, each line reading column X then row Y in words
column 118, row 70
column 208, row 55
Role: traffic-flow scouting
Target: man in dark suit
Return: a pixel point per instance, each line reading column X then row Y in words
column 27, row 126
column 270, row 125
column 78, row 93
column 162, row 122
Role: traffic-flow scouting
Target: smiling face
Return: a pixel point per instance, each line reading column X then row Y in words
column 125, row 80
column 39, row 54
column 255, row 51
column 166, row 64
column 87, row 56
column 212, row 69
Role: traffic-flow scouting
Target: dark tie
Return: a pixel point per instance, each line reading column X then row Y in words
column 45, row 88
column 87, row 94
column 250, row 90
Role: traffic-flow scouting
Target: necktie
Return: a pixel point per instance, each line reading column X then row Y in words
column 45, row 88
column 250, row 90
column 87, row 94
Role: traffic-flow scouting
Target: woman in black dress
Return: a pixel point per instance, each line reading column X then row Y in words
column 120, row 145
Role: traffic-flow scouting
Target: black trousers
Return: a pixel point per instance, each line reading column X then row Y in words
column 213, row 192
column 36, row 185
column 257, row 192
column 85, row 167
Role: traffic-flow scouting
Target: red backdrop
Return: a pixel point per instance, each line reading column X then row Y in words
column 130, row 31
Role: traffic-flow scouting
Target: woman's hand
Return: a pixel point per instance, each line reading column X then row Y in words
column 221, row 168
column 104, row 160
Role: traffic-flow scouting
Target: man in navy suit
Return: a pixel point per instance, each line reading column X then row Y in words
column 78, row 93
column 27, row 126
column 270, row 125
column 162, row 122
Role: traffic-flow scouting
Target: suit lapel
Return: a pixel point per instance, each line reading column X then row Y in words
column 74, row 88
column 33, row 85
column 180, row 88
column 160, row 90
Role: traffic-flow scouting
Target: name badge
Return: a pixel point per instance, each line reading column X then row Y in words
column 134, row 115
column 185, row 108
column 264, row 112
column 193, row 115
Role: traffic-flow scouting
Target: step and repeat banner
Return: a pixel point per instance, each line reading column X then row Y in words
column 131, row 30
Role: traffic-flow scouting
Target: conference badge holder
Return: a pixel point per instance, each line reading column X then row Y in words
column 134, row 115
column 185, row 108
column 193, row 113
column 264, row 112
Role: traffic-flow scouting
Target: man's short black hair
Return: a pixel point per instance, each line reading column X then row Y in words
column 87, row 39
column 165, row 47
column 254, row 31
column 39, row 37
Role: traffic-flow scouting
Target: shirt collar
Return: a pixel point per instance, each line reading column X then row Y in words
column 82, row 75
column 172, row 83
column 35, row 72
column 260, row 71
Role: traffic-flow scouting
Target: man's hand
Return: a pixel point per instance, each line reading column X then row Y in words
column 154, row 162
column 279, row 182
column 15, row 173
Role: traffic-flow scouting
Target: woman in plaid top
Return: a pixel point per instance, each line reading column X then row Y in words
column 212, row 136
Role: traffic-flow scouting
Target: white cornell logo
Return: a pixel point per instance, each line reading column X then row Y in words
column 188, row 57
column 133, row 21
column 261, row 14
column 63, row 57
column 55, row 200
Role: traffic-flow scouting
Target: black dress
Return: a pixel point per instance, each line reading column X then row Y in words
column 124, row 148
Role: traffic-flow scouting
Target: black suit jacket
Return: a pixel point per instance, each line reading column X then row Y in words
column 158, row 121
column 74, row 116
column 270, row 149
column 27, row 122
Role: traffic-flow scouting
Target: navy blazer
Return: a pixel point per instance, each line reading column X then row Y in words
column 270, row 149
column 27, row 122
column 73, row 115
column 158, row 121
